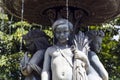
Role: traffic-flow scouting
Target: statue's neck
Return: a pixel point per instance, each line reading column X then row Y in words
column 62, row 46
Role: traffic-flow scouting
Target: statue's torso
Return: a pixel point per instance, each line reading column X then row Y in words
column 61, row 68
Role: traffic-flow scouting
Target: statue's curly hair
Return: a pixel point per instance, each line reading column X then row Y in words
column 93, row 34
column 63, row 22
column 93, row 37
column 38, row 37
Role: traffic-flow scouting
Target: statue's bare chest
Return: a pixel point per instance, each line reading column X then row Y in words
column 60, row 52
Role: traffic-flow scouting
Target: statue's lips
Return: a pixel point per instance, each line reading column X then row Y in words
column 62, row 39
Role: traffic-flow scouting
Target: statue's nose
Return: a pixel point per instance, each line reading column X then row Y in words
column 62, row 34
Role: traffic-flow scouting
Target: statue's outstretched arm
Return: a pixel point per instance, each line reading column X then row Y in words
column 45, row 75
column 98, row 66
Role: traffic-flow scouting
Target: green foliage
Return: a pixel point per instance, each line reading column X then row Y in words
column 10, row 43
column 3, row 16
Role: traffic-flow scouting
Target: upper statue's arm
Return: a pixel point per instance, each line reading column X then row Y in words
column 37, row 57
column 24, row 63
column 45, row 75
column 98, row 66
column 35, row 60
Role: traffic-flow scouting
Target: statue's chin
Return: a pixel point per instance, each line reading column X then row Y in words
column 62, row 41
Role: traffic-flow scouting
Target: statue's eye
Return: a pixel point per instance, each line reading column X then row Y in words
column 65, row 31
column 57, row 31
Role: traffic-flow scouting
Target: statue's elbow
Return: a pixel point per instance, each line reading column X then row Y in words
column 44, row 75
column 24, row 72
column 27, row 71
column 105, row 76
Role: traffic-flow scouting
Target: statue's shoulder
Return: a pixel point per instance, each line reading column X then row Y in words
column 91, row 53
column 51, row 49
column 40, row 51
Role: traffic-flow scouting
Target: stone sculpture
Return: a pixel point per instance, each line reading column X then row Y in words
column 97, row 70
column 60, row 58
column 72, row 56
column 36, row 43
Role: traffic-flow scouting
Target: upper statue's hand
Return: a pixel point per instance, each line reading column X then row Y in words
column 81, row 42
column 24, row 61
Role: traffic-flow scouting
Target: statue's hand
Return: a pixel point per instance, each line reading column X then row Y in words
column 79, row 54
column 24, row 61
column 81, row 42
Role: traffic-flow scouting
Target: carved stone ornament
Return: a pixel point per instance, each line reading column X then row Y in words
column 90, row 12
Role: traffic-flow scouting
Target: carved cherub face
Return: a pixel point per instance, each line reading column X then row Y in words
column 35, row 40
column 62, row 33
column 30, row 46
column 62, row 29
